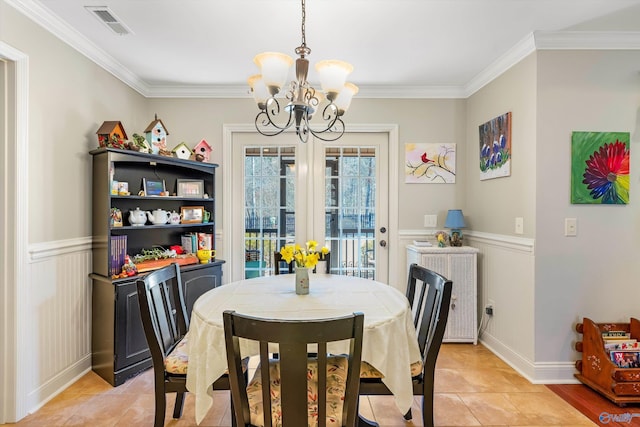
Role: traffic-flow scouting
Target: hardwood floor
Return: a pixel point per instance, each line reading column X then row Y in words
column 597, row 408
column 473, row 388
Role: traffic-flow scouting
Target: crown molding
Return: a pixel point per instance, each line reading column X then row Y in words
column 73, row 38
column 540, row 40
column 510, row 58
column 241, row 91
column 596, row 40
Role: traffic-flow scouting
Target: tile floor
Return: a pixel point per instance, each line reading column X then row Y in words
column 473, row 388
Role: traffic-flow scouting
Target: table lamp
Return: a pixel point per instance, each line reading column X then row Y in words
column 455, row 221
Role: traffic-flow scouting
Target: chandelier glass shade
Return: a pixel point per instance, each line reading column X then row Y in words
column 302, row 99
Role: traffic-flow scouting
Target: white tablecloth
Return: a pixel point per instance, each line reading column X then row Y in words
column 389, row 342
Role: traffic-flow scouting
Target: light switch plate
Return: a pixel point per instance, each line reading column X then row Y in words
column 519, row 225
column 431, row 221
column 570, row 227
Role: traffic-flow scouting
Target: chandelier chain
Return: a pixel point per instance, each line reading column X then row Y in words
column 301, row 96
column 304, row 15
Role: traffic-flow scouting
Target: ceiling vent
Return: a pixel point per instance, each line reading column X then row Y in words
column 109, row 19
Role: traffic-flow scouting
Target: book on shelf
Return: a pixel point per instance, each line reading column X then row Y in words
column 622, row 346
column 205, row 241
column 625, row 341
column 617, row 339
column 616, row 334
column 189, row 243
column 626, row 359
column 118, row 254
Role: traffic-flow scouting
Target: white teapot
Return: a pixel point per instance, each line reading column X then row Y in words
column 158, row 216
column 137, row 217
column 174, row 218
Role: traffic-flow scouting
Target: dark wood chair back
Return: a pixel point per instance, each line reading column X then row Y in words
column 165, row 322
column 279, row 263
column 292, row 338
column 429, row 295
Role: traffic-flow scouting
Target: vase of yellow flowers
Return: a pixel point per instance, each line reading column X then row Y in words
column 305, row 258
column 442, row 238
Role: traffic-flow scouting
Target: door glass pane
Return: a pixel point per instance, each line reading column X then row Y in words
column 269, row 176
column 350, row 210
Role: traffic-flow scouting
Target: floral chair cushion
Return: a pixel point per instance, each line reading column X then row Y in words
column 336, row 383
column 177, row 361
column 368, row 371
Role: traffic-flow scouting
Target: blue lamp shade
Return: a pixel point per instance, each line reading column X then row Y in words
column 455, row 219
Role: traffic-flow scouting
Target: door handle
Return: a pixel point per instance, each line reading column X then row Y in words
column 383, row 243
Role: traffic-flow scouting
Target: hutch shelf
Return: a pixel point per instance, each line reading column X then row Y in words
column 119, row 347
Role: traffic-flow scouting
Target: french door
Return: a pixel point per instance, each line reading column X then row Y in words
column 288, row 192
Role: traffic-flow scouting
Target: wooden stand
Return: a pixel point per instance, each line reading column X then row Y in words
column 620, row 385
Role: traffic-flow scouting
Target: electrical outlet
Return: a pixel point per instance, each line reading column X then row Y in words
column 489, row 308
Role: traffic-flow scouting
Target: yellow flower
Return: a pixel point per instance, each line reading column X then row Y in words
column 307, row 257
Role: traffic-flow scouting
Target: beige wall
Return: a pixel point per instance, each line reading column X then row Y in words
column 596, row 273
column 425, row 120
column 69, row 98
column 492, row 205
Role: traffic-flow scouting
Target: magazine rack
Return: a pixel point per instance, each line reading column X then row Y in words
column 595, row 369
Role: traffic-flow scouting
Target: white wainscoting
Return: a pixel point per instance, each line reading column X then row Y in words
column 506, row 277
column 59, row 312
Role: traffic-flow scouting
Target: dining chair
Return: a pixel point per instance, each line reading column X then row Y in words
column 429, row 295
column 278, row 263
column 327, row 264
column 302, row 390
column 165, row 323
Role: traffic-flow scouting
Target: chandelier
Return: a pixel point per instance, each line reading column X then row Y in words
column 303, row 99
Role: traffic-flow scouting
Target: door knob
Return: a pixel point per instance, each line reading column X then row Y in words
column 383, row 243
column 383, row 230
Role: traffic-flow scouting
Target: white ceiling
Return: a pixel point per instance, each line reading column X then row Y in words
column 399, row 48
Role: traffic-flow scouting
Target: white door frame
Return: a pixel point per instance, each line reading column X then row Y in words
column 233, row 246
column 15, row 236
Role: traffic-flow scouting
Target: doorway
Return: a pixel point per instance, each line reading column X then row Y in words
column 333, row 192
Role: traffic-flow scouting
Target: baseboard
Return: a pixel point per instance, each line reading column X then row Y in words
column 536, row 373
column 51, row 388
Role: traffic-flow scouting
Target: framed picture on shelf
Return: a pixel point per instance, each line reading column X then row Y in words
column 190, row 188
column 153, row 187
column 192, row 214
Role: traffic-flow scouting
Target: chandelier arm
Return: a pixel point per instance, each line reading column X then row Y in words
column 271, row 115
column 303, row 132
column 331, row 133
column 264, row 126
column 330, row 114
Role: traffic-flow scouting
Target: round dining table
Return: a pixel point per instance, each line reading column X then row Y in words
column 389, row 342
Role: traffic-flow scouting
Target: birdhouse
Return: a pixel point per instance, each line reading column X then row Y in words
column 156, row 134
column 182, row 151
column 202, row 149
column 111, row 134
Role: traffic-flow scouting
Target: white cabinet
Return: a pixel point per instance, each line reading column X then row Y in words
column 460, row 265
